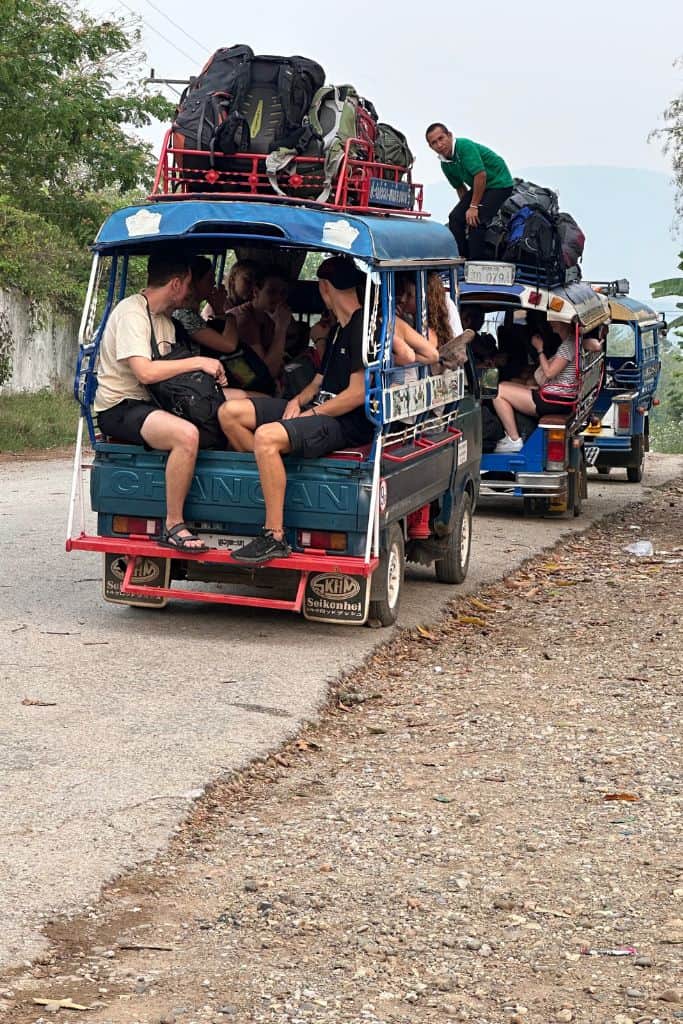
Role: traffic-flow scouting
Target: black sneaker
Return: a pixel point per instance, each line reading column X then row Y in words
column 262, row 549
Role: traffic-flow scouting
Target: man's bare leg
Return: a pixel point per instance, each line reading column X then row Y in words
column 271, row 442
column 237, row 419
column 166, row 432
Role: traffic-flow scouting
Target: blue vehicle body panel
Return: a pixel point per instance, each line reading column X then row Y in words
column 630, row 379
column 373, row 239
column 531, row 459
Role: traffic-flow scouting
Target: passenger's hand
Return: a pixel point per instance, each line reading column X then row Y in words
column 292, row 409
column 214, row 368
column 217, row 299
column 281, row 316
column 537, row 342
column 472, row 217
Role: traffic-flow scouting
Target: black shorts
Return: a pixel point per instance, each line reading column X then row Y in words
column 123, row 422
column 544, row 408
column 310, row 436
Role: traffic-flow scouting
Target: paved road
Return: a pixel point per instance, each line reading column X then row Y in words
column 147, row 707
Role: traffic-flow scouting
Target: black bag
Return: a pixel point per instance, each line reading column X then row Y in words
column 244, row 368
column 194, row 396
column 525, row 194
column 535, row 245
column 571, row 238
column 244, row 103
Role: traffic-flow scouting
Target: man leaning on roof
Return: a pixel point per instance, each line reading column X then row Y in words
column 482, row 180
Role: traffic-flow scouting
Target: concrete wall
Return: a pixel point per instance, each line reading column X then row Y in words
column 38, row 346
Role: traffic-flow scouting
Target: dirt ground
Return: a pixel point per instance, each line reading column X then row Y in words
column 484, row 826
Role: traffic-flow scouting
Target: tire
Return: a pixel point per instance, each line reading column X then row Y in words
column 577, row 487
column 452, row 568
column 634, row 474
column 387, row 579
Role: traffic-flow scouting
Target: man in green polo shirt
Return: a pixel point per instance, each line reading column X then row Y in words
column 482, row 181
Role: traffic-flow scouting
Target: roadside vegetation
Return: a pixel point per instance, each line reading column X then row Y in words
column 58, row 185
column 44, row 420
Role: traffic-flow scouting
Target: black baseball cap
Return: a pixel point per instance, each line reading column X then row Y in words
column 341, row 272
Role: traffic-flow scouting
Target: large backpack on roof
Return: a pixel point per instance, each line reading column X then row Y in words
column 571, row 238
column 336, row 114
column 391, row 147
column 525, row 194
column 531, row 239
column 244, row 103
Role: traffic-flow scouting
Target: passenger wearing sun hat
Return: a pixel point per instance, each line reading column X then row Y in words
column 327, row 415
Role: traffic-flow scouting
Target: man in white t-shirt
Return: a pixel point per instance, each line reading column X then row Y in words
column 125, row 409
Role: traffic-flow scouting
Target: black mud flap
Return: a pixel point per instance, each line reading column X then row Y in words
column 337, row 597
column 149, row 572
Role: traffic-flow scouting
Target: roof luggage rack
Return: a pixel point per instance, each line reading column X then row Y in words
column 363, row 185
column 497, row 272
column 611, row 288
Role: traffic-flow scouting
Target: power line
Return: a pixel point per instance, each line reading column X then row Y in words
column 176, row 25
column 160, row 34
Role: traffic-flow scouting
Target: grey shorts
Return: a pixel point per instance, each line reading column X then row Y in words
column 310, row 436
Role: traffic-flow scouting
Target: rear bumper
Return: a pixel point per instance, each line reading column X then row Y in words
column 526, row 485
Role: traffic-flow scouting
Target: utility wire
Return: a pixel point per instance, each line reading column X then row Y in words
column 179, row 27
column 160, row 34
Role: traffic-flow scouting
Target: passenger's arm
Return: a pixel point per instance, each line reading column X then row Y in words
column 305, row 396
column 347, row 400
column 426, row 349
column 550, row 367
column 404, row 355
column 274, row 356
column 478, row 189
column 225, row 342
column 154, row 371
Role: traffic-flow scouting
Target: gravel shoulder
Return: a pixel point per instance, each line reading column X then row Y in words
column 483, row 800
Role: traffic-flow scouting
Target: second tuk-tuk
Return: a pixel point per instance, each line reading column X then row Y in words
column 549, row 473
column 618, row 434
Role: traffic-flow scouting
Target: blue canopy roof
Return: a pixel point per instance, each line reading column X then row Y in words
column 209, row 225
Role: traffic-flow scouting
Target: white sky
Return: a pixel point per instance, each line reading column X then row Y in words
column 542, row 84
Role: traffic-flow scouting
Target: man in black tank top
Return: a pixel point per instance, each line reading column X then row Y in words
column 327, row 415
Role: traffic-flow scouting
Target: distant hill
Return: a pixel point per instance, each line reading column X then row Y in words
column 625, row 213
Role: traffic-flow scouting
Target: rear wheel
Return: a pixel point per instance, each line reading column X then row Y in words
column 452, row 568
column 577, row 486
column 387, row 579
column 634, row 474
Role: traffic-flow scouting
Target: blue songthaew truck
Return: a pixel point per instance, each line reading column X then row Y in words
column 618, row 434
column 353, row 518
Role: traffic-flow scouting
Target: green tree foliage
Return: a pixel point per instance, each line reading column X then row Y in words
column 671, row 136
column 668, row 419
column 69, row 101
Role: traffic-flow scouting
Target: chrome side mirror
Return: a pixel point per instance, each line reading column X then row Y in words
column 488, row 383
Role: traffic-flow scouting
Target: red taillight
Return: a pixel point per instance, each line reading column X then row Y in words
column 296, row 180
column 623, row 416
column 211, row 176
column 534, row 298
column 556, row 450
column 136, row 525
column 322, row 540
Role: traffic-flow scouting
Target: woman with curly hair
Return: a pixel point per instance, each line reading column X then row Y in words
column 451, row 348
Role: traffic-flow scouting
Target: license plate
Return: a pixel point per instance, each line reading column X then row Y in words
column 224, row 541
column 591, row 453
column 490, row 273
column 391, row 193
